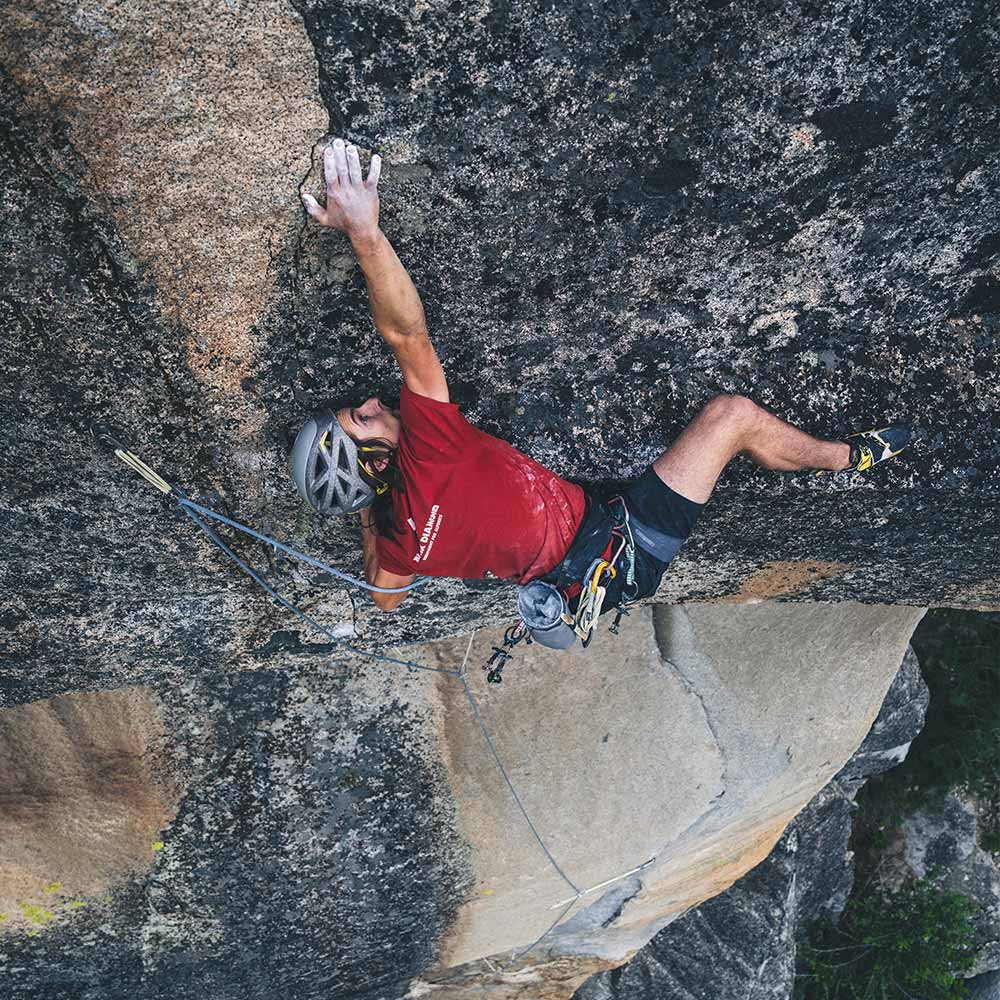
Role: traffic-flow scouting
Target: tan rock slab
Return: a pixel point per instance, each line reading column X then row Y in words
column 196, row 123
column 85, row 789
column 692, row 739
column 563, row 725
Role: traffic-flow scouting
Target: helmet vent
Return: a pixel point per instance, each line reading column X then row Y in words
column 325, row 467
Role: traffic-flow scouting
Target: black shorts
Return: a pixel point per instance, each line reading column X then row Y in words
column 661, row 520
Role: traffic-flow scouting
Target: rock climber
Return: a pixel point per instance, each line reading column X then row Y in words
column 441, row 498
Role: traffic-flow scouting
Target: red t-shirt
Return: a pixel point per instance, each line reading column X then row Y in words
column 471, row 505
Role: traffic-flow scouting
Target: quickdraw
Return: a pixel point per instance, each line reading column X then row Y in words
column 620, row 612
column 588, row 610
column 495, row 664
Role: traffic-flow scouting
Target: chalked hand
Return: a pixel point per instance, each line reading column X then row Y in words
column 351, row 200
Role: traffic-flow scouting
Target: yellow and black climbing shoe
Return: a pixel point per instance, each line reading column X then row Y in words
column 868, row 448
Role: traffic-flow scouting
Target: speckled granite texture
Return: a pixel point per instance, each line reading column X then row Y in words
column 796, row 206
column 612, row 212
column 661, row 203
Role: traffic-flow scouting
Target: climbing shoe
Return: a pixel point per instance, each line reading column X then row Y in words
column 868, row 448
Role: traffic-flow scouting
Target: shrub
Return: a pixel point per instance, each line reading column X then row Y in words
column 913, row 942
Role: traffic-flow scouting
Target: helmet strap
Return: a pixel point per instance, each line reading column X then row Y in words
column 381, row 485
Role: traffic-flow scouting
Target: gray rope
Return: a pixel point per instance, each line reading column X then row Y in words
column 337, row 640
column 513, row 790
column 192, row 509
column 191, row 505
column 514, row 956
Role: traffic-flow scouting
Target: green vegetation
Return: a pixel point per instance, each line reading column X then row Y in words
column 959, row 654
column 959, row 747
column 40, row 915
column 913, row 943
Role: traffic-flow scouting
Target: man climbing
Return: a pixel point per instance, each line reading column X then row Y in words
column 446, row 499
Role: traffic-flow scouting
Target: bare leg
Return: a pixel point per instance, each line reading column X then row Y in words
column 734, row 425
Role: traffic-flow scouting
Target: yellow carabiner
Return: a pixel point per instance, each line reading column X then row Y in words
column 598, row 573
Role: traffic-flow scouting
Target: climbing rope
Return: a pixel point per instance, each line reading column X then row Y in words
column 190, row 506
column 198, row 513
column 138, row 465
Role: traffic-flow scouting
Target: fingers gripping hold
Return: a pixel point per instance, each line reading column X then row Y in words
column 351, row 201
column 330, row 171
column 313, row 207
column 340, row 161
column 353, row 165
column 374, row 171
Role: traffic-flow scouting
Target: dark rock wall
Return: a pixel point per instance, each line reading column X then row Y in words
column 986, row 987
column 313, row 852
column 612, row 212
column 313, row 855
column 941, row 840
column 80, row 335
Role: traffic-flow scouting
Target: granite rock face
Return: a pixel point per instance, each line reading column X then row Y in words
column 612, row 213
column 742, row 942
column 312, row 853
column 85, row 787
column 194, row 125
column 351, row 824
column 671, row 769
column 795, row 206
column 941, row 838
column 985, row 987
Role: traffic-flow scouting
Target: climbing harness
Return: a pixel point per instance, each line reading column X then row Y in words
column 512, row 636
column 580, row 595
column 548, row 614
column 591, row 591
column 602, row 572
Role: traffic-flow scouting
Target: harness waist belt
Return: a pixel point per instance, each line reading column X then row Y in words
column 588, row 543
column 657, row 543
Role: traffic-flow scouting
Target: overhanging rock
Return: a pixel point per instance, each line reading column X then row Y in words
column 743, row 941
column 612, row 216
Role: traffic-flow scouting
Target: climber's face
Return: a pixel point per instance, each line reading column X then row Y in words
column 371, row 420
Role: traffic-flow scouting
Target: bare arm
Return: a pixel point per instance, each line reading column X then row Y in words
column 395, row 303
column 377, row 576
column 352, row 206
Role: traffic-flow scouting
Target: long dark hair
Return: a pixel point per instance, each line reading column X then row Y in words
column 380, row 513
